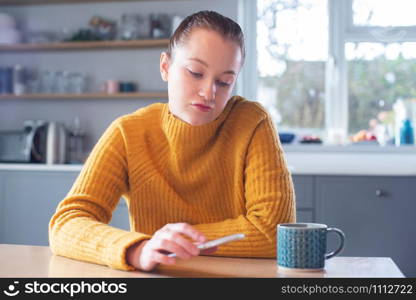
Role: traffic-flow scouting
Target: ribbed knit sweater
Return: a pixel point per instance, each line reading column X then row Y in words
column 224, row 177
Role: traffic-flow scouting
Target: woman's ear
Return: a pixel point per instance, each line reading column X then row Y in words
column 164, row 65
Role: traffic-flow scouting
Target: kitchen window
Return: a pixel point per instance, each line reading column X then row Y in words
column 331, row 67
column 292, row 52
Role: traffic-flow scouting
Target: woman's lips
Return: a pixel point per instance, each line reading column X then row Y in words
column 202, row 107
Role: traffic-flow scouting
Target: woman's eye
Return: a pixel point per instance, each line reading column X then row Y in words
column 222, row 83
column 195, row 74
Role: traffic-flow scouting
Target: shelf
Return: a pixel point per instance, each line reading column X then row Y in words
column 35, row 2
column 149, row 43
column 141, row 95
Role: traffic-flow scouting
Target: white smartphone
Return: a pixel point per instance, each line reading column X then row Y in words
column 217, row 242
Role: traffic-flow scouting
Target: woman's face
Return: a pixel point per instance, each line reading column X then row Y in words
column 201, row 75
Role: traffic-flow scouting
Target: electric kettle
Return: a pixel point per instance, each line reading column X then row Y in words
column 56, row 143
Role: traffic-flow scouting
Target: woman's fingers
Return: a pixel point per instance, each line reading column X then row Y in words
column 149, row 260
column 172, row 238
column 209, row 250
column 181, row 241
column 173, row 247
column 162, row 259
column 188, row 230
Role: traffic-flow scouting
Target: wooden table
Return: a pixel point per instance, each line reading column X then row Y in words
column 36, row 261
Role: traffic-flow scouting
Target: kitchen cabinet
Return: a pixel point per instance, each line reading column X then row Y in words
column 377, row 215
column 304, row 192
column 28, row 199
column 120, row 218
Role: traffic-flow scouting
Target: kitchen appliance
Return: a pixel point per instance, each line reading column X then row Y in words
column 56, row 143
column 39, row 142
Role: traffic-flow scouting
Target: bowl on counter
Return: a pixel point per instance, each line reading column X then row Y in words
column 286, row 137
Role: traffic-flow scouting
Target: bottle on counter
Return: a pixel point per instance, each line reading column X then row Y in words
column 76, row 143
column 406, row 133
column 400, row 114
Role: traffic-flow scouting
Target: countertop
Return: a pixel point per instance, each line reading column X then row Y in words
column 39, row 167
column 313, row 160
column 361, row 164
column 38, row 261
column 365, row 160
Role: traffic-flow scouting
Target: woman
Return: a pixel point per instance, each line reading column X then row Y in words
column 202, row 166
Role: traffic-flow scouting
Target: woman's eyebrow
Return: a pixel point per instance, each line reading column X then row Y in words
column 205, row 64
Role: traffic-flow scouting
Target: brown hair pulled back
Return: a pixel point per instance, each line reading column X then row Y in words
column 211, row 20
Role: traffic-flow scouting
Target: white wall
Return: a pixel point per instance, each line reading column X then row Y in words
column 141, row 65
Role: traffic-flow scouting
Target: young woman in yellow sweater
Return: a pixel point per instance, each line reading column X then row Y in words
column 202, row 166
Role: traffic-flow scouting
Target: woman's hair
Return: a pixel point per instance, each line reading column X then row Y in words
column 211, row 20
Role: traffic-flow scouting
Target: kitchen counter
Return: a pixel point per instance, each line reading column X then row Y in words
column 345, row 163
column 39, row 167
column 364, row 148
column 313, row 160
column 361, row 160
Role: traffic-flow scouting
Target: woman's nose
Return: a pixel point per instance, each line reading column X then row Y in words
column 208, row 90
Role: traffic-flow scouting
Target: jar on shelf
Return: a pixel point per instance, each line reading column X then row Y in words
column 160, row 26
column 46, row 81
column 133, row 26
column 19, row 84
column 62, row 82
column 78, row 83
column 33, row 84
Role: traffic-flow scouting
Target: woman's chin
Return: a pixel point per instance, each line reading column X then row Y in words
column 197, row 122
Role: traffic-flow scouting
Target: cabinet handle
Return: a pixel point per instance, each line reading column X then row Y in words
column 379, row 193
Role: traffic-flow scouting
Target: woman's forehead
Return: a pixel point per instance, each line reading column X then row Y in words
column 206, row 45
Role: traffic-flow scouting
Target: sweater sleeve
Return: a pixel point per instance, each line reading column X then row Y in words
column 79, row 228
column 269, row 199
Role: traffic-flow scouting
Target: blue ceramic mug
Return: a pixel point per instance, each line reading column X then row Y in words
column 302, row 246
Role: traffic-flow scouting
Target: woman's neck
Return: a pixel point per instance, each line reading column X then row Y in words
column 186, row 137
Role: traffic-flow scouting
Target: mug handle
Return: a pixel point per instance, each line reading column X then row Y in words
column 341, row 245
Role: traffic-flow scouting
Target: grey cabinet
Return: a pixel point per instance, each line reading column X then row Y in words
column 120, row 218
column 377, row 215
column 305, row 199
column 28, row 199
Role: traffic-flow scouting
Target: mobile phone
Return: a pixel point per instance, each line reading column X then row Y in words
column 217, row 242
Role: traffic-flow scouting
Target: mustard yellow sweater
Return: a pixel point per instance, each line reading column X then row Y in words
column 224, row 177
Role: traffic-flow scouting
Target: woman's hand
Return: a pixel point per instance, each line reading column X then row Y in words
column 169, row 239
